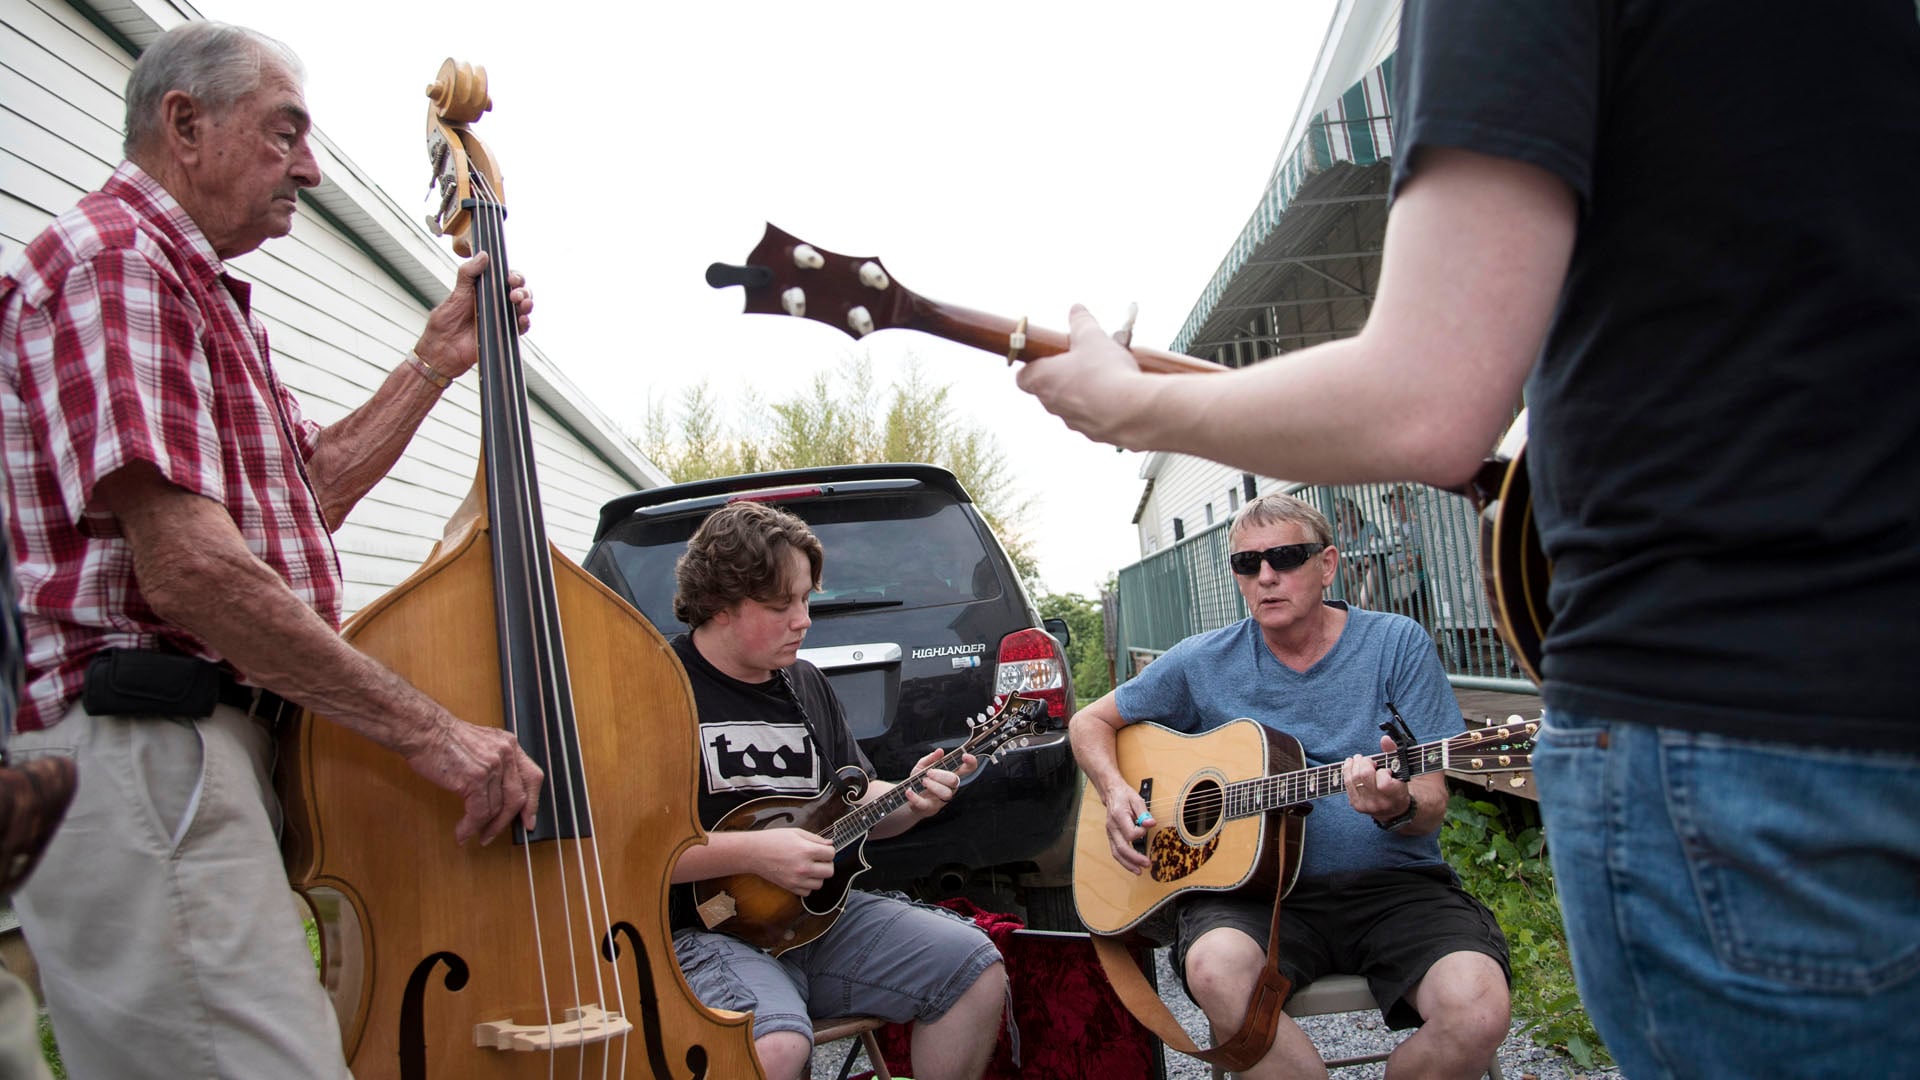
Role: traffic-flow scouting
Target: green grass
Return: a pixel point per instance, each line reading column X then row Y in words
column 50, row 1051
column 1503, row 861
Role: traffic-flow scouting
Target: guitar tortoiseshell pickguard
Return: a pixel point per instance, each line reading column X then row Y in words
column 1174, row 858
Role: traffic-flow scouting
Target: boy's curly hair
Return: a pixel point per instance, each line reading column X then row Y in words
column 739, row 553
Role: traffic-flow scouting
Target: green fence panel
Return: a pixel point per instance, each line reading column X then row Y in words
column 1421, row 560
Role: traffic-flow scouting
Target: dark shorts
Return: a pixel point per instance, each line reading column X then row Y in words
column 884, row 956
column 1388, row 925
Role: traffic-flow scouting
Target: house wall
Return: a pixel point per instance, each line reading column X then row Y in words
column 338, row 322
column 1195, row 491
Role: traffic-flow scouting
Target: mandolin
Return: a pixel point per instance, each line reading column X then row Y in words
column 784, row 275
column 761, row 913
column 1228, row 804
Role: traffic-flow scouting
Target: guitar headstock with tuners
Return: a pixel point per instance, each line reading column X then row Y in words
column 1507, row 748
column 1502, row 754
column 785, row 275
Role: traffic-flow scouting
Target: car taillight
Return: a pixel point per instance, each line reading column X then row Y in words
column 1031, row 664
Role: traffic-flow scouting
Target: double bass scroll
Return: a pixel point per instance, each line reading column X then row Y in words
column 549, row 955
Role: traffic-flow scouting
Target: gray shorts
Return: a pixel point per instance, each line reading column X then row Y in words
column 885, row 956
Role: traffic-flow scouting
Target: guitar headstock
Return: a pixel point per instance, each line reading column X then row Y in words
column 1506, row 748
column 461, row 162
column 785, row 275
column 1013, row 722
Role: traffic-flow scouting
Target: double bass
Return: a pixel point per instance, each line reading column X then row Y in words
column 551, row 954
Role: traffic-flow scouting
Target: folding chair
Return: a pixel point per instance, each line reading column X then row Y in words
column 826, row 1031
column 1344, row 994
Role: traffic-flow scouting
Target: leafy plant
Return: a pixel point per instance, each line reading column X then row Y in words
column 1503, row 861
column 1087, row 652
column 51, row 1050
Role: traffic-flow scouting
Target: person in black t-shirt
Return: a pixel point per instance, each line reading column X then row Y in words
column 769, row 725
column 1690, row 230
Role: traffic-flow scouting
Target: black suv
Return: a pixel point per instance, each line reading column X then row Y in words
column 920, row 622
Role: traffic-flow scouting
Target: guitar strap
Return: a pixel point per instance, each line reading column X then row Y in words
column 1247, row 1046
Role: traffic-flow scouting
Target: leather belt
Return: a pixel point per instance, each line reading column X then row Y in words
column 263, row 705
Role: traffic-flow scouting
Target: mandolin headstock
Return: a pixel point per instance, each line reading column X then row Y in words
column 1013, row 720
column 785, row 275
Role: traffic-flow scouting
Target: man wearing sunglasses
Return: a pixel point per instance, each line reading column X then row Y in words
column 1373, row 896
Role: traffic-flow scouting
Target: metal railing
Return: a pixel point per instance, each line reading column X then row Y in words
column 1423, row 563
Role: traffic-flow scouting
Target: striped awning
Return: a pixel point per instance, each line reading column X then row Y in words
column 1355, row 131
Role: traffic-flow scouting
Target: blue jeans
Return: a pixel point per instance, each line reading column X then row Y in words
column 1737, row 908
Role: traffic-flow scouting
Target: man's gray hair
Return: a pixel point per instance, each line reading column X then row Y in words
column 1275, row 508
column 215, row 63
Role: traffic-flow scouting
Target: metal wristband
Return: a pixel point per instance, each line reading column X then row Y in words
column 426, row 371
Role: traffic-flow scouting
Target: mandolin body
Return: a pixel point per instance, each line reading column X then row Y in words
column 762, row 913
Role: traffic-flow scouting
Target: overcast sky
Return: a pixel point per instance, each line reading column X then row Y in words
column 1009, row 157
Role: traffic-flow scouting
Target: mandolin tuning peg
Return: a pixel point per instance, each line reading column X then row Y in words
column 873, row 277
column 860, row 321
column 794, row 300
column 806, row 258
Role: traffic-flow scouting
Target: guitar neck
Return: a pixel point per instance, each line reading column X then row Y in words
column 1267, row 793
column 992, row 333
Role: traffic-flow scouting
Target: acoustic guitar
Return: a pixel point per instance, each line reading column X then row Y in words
column 785, row 275
column 766, row 915
column 1227, row 806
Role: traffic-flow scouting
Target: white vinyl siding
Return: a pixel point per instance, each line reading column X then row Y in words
column 337, row 321
column 1183, row 487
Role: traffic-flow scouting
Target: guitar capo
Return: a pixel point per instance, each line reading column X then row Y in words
column 1400, row 762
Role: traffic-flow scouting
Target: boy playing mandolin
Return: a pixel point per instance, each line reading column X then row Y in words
column 771, row 726
column 1373, row 896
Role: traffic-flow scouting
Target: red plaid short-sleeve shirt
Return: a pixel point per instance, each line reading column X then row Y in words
column 122, row 339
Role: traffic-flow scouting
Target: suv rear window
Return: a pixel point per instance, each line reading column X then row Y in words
column 901, row 550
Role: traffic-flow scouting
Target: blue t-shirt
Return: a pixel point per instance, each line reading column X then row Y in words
column 1334, row 709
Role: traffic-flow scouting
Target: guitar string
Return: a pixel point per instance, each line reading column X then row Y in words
column 1266, row 789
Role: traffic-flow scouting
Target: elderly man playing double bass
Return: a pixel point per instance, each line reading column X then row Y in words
column 171, row 511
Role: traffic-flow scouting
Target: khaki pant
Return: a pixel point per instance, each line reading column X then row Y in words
column 20, row 1032
column 160, row 918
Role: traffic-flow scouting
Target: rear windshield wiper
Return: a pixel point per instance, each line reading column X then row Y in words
column 835, row 607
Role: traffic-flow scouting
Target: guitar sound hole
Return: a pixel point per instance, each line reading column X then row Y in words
column 1200, row 810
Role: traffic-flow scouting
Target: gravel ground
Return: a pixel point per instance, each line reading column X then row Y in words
column 1353, row 1034
column 1338, row 1035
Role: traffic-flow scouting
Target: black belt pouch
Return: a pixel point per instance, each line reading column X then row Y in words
column 141, row 682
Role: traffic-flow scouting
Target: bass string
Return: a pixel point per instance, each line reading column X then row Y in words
column 499, row 328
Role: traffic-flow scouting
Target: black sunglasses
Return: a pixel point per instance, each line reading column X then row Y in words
column 1282, row 558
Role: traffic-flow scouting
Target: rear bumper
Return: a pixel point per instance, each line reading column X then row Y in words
column 1015, row 815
